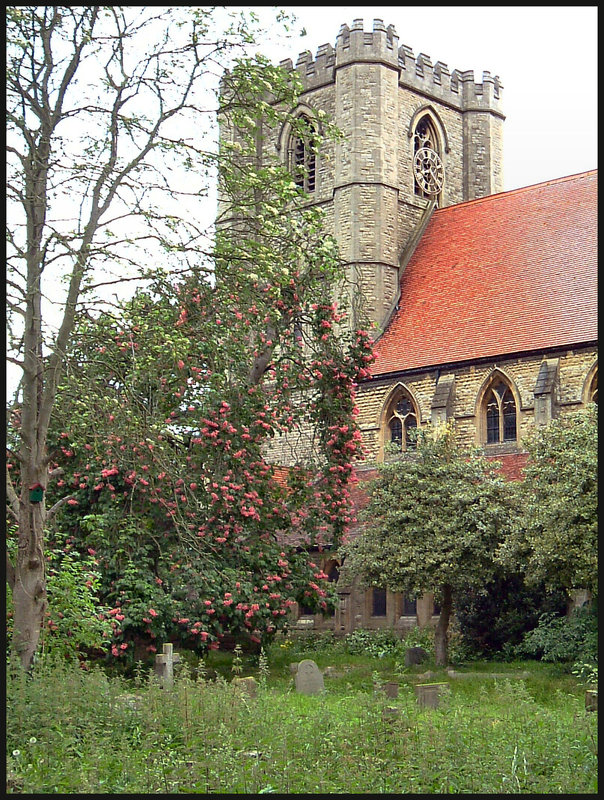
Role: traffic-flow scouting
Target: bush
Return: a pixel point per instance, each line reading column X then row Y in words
column 563, row 639
column 373, row 643
column 74, row 625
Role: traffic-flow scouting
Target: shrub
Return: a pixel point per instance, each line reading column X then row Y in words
column 74, row 625
column 563, row 639
column 372, row 643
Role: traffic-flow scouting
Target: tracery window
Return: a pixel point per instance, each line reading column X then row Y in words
column 427, row 165
column 500, row 414
column 402, row 419
column 303, row 162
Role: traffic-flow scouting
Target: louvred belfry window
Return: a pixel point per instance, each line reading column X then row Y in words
column 303, row 158
column 501, row 414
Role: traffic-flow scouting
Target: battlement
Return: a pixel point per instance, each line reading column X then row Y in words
column 354, row 45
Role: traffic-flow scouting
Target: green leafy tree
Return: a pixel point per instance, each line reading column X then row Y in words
column 555, row 536
column 108, row 155
column 435, row 518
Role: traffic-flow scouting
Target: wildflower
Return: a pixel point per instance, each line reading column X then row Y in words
column 33, row 740
column 16, row 753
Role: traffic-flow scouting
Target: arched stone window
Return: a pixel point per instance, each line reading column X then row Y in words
column 302, row 157
column 500, row 411
column 592, row 395
column 428, row 170
column 401, row 419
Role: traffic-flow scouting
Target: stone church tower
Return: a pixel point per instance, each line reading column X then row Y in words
column 415, row 136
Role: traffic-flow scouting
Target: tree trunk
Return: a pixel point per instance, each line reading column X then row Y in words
column 441, row 632
column 29, row 588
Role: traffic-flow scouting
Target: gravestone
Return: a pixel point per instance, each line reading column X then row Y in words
column 591, row 700
column 391, row 689
column 164, row 665
column 428, row 694
column 390, row 712
column 248, row 685
column 415, row 655
column 308, row 678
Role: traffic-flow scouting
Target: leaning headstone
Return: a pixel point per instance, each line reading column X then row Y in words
column 164, row 665
column 248, row 685
column 308, row 678
column 415, row 655
column 428, row 694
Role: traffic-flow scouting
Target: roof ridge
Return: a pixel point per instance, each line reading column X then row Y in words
column 518, row 189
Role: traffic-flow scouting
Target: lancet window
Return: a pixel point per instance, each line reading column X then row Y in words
column 303, row 161
column 500, row 407
column 428, row 168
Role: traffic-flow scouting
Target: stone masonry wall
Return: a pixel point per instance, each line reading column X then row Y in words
column 574, row 369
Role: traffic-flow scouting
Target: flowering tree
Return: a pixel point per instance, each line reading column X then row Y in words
column 196, row 533
column 159, row 413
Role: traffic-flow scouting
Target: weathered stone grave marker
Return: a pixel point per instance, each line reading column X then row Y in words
column 428, row 694
column 415, row 655
column 591, row 700
column 247, row 685
column 164, row 665
column 391, row 689
column 308, row 678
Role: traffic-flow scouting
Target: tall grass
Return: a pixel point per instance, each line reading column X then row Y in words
column 70, row 731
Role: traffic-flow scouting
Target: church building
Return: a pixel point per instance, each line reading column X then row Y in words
column 484, row 302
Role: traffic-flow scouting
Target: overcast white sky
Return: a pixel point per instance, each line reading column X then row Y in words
column 545, row 56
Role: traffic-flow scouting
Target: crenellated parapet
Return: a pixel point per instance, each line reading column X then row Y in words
column 381, row 45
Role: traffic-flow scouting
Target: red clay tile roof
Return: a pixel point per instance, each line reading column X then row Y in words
column 508, row 273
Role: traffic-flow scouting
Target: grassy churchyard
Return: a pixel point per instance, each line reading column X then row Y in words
column 517, row 727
